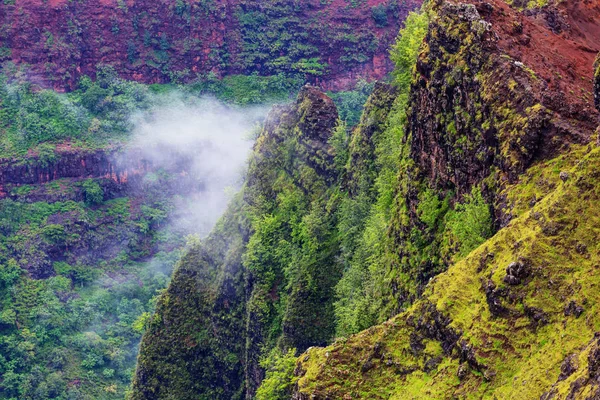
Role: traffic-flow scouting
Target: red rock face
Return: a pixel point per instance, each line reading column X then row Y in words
column 122, row 169
column 157, row 41
column 559, row 43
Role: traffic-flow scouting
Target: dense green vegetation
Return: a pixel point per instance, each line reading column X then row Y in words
column 80, row 269
column 184, row 40
column 365, row 215
column 278, row 37
column 317, row 206
column 90, row 116
column 74, row 334
column 478, row 329
column 338, row 227
column 99, row 112
column 350, row 103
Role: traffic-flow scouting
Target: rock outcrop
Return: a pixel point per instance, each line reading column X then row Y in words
column 232, row 300
column 121, row 171
column 597, row 82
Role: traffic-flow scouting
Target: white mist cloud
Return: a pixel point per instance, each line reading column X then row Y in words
column 212, row 139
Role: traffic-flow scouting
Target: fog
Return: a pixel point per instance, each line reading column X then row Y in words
column 212, row 140
column 203, row 145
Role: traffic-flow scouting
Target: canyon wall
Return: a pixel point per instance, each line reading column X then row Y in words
column 333, row 43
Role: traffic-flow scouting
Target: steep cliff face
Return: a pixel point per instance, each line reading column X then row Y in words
column 487, row 114
column 515, row 319
column 251, row 286
column 331, row 42
column 485, row 97
column 483, row 106
column 597, row 82
column 462, row 206
column 120, row 170
column 194, row 347
column 362, row 170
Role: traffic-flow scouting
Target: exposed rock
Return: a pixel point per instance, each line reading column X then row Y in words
column 573, row 309
column 568, row 367
column 564, row 176
column 159, row 42
column 463, row 371
column 516, row 272
column 467, row 355
column 433, row 325
column 431, row 364
column 537, row 316
column 367, row 365
column 494, row 299
column 594, row 361
column 119, row 170
column 597, row 82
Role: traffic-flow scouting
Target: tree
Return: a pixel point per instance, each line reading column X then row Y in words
column 379, row 13
column 93, row 192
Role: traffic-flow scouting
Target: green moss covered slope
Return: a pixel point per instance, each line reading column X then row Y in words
column 501, row 323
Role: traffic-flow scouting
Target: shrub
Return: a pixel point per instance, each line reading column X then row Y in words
column 279, row 379
column 54, row 233
column 46, row 154
column 93, row 192
column 406, row 49
column 9, row 273
column 379, row 14
column 471, row 222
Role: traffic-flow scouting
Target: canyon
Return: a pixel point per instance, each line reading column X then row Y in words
column 444, row 246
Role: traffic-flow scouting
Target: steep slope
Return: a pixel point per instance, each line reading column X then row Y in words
column 86, row 245
column 516, row 318
column 478, row 159
column 483, row 106
column 182, row 40
column 502, row 323
column 224, row 312
column 195, row 332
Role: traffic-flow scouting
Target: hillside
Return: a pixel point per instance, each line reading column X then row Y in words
column 331, row 42
column 97, row 202
column 462, row 206
column 111, row 162
column 186, row 214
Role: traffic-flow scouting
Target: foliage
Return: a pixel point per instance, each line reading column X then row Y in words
column 360, row 292
column 380, row 16
column 350, row 103
column 100, row 112
column 541, row 237
column 93, row 192
column 406, row 49
column 92, row 114
column 247, row 89
column 83, row 321
column 279, row 380
column 471, row 222
column 339, row 143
